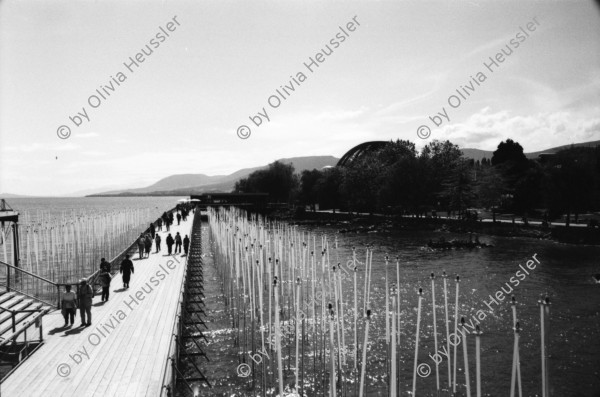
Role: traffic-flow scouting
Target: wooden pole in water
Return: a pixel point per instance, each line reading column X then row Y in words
column 393, row 380
column 445, row 276
column 387, row 325
column 414, row 388
column 366, row 280
column 435, row 340
column 544, row 309
column 364, row 355
column 332, row 351
column 513, row 379
column 516, row 370
column 543, row 347
column 278, row 337
column 455, row 333
column 355, row 311
column 466, row 357
column 478, row 359
column 297, row 328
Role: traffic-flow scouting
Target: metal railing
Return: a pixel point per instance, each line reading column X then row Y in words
column 25, row 324
column 178, row 355
column 29, row 284
column 170, row 370
column 47, row 291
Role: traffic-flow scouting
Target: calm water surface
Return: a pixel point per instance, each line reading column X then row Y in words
column 564, row 273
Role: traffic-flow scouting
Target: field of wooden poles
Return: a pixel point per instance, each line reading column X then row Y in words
column 67, row 247
column 304, row 319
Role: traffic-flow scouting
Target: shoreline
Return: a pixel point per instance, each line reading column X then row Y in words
column 348, row 223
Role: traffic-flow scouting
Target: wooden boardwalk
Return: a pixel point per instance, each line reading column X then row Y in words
column 125, row 351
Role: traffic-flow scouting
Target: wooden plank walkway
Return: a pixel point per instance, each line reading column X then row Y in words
column 125, row 351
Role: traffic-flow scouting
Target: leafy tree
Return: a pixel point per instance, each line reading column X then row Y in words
column 278, row 180
column 441, row 158
column 573, row 182
column 328, row 188
column 308, row 188
column 458, row 189
column 508, row 152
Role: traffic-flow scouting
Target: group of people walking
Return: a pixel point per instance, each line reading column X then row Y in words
column 82, row 299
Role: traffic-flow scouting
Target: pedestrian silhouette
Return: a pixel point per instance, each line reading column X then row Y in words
column 186, row 244
column 85, row 295
column 126, row 270
column 178, row 243
column 170, row 243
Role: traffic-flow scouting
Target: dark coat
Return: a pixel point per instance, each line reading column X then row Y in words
column 85, row 295
column 186, row 241
column 126, row 267
column 105, row 266
column 104, row 279
column 178, row 239
column 170, row 240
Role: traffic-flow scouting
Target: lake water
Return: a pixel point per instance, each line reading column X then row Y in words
column 564, row 273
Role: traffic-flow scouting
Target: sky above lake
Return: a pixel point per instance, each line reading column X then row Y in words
column 114, row 94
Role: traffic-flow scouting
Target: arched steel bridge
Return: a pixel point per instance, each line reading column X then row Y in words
column 359, row 151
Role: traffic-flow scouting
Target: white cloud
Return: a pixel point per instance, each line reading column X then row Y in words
column 486, row 129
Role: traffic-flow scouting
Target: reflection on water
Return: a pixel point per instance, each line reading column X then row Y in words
column 564, row 273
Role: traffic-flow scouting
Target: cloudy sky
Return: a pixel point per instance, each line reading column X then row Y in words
column 178, row 110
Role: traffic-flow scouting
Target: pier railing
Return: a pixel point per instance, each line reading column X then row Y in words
column 29, row 284
column 47, row 291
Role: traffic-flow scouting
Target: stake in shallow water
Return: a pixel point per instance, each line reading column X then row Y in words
column 414, row 389
column 465, row 356
column 455, row 333
column 445, row 276
column 516, row 367
column 437, row 375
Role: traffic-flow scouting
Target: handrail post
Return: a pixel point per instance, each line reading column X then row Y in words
column 174, row 373
column 7, row 278
column 58, row 302
column 14, row 323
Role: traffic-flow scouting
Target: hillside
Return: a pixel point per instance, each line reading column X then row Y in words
column 185, row 184
column 478, row 154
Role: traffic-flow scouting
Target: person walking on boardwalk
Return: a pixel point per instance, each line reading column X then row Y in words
column 152, row 230
column 148, row 244
column 157, row 242
column 178, row 243
column 141, row 245
column 170, row 243
column 104, row 265
column 104, row 278
column 159, row 224
column 126, row 270
column 85, row 295
column 186, row 244
column 178, row 218
column 165, row 219
column 69, row 305
column 171, row 218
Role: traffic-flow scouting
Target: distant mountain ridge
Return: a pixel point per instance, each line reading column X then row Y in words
column 478, row 154
column 186, row 184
